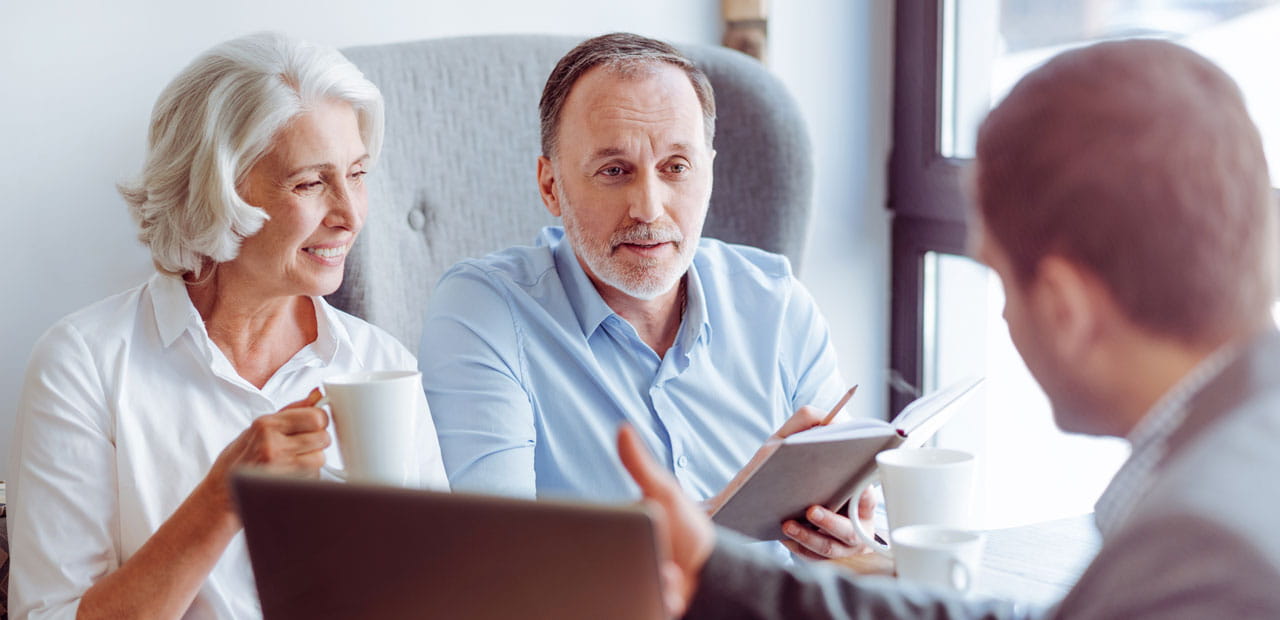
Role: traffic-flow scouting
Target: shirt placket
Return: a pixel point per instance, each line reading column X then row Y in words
column 684, row 445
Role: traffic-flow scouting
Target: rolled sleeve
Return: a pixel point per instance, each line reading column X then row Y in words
column 471, row 363
column 809, row 358
column 62, row 498
column 431, row 472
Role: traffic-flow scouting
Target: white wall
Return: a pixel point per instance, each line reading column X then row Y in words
column 79, row 78
column 836, row 57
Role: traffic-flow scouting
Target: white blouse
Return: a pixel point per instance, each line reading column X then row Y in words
column 125, row 407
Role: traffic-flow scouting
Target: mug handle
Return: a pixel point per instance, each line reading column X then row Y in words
column 961, row 579
column 340, row 474
column 868, row 539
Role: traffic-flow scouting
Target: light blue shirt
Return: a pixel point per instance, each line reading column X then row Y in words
column 529, row 373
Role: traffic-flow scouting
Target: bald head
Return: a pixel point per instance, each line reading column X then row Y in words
column 1137, row 161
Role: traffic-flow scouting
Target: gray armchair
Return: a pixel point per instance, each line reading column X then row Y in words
column 457, row 174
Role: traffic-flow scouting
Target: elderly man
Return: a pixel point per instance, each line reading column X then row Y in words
column 533, row 356
column 1122, row 197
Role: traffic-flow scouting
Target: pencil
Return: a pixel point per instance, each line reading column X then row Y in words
column 840, row 405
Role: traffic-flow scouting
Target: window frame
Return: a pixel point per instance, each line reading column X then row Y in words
column 926, row 202
column 926, row 198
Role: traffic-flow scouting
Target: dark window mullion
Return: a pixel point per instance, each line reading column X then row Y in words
column 924, row 189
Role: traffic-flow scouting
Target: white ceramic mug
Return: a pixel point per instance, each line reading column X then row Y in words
column 374, row 413
column 921, row 486
column 938, row 555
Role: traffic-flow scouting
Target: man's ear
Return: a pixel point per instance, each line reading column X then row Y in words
column 547, row 185
column 1073, row 306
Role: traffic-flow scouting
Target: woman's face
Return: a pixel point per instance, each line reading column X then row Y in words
column 311, row 183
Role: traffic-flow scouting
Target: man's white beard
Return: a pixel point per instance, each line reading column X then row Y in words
column 644, row 278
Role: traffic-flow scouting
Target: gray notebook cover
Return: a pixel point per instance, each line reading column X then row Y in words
column 803, row 472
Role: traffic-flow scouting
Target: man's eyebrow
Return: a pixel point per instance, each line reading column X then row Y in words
column 604, row 153
column 613, row 151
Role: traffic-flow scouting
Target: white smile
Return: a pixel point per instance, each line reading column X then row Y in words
column 328, row 252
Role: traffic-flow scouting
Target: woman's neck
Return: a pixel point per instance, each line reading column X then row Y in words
column 257, row 332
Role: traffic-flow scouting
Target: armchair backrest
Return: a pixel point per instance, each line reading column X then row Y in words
column 456, row 178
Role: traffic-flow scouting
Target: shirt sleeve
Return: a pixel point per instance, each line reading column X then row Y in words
column 63, row 512
column 739, row 581
column 808, row 356
column 431, row 474
column 471, row 363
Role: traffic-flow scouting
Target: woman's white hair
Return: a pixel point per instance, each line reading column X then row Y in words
column 213, row 122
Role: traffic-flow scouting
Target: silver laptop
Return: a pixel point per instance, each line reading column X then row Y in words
column 332, row 550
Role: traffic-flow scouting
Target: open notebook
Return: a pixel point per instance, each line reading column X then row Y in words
column 824, row 465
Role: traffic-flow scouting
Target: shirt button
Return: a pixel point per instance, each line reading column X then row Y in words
column 682, row 462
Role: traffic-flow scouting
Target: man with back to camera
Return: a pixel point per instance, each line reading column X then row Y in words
column 1122, row 196
column 531, row 357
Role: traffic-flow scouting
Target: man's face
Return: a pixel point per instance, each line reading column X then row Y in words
column 631, row 177
column 1032, row 327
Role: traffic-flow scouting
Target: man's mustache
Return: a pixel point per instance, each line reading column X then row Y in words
column 646, row 234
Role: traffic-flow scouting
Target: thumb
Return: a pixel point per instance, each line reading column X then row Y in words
column 654, row 481
column 674, row 585
column 312, row 398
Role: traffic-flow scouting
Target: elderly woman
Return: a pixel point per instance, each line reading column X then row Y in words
column 135, row 409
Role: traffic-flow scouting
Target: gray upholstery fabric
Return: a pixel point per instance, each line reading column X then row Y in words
column 457, row 176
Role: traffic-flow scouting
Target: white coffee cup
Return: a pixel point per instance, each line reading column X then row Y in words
column 938, row 555
column 374, row 413
column 922, row 486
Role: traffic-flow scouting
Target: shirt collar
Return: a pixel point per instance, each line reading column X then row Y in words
column 695, row 322
column 330, row 332
column 175, row 315
column 1149, row 440
column 590, row 308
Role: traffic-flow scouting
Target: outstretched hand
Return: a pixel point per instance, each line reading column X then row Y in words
column 685, row 534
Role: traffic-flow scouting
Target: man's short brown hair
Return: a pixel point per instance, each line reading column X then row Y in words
column 627, row 54
column 1138, row 161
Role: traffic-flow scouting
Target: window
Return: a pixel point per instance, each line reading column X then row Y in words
column 954, row 60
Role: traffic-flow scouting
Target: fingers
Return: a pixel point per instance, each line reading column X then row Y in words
column 307, row 443
column 292, row 439
column 804, row 417
column 834, row 538
column 654, row 481
column 673, row 585
column 271, row 445
column 833, row 524
column 312, row 398
column 294, row 421
column 655, row 485
column 817, row 542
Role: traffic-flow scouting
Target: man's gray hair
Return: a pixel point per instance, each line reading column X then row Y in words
column 213, row 122
column 625, row 54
